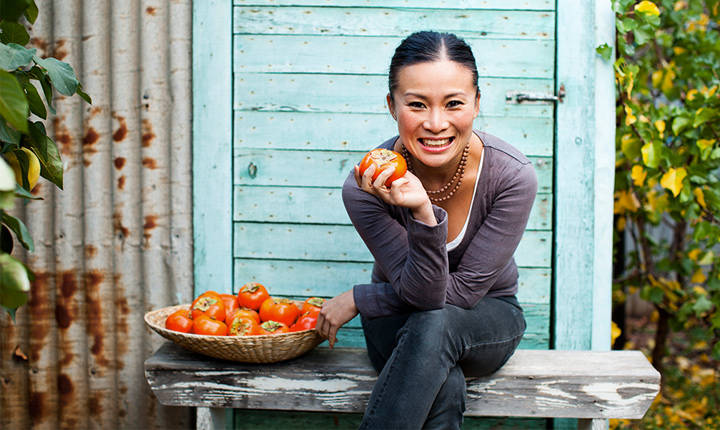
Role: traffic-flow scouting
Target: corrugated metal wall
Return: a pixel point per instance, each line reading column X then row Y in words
column 117, row 241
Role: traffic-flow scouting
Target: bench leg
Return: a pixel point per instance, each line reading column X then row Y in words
column 593, row 424
column 211, row 418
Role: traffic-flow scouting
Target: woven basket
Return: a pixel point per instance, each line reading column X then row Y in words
column 246, row 349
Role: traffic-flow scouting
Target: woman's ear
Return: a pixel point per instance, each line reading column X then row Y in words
column 391, row 106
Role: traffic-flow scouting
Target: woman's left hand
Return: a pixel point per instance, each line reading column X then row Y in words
column 334, row 314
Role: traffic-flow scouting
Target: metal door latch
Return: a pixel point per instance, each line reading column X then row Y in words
column 525, row 97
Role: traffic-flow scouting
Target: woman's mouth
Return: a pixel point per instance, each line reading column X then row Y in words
column 436, row 144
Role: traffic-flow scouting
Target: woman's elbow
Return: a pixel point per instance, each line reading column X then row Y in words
column 428, row 299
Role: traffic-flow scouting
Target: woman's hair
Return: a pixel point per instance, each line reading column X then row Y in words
column 426, row 46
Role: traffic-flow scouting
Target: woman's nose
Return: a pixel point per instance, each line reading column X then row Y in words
column 435, row 122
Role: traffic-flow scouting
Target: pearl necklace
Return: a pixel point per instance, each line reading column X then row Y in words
column 436, row 195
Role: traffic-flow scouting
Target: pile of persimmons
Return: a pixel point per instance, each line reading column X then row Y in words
column 251, row 312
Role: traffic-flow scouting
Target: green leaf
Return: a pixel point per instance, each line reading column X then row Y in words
column 34, row 101
column 12, row 10
column 642, row 36
column 21, row 232
column 83, row 95
column 13, row 32
column 13, row 104
column 61, row 74
column 605, row 51
column 7, row 200
column 42, row 77
column 14, row 282
column 13, row 56
column 704, row 115
column 8, row 134
column 32, row 12
column 7, row 176
column 651, row 154
column 679, row 124
column 702, row 305
column 51, row 167
column 22, row 192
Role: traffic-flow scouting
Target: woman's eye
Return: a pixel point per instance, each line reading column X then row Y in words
column 416, row 105
column 454, row 103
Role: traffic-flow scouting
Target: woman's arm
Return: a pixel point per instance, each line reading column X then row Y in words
column 415, row 259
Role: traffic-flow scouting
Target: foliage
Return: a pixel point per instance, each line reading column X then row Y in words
column 691, row 394
column 667, row 161
column 23, row 76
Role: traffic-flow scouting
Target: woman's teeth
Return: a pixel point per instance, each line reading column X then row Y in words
column 436, row 142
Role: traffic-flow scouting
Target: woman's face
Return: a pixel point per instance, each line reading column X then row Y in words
column 434, row 105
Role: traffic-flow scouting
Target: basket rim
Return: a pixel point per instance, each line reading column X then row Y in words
column 170, row 309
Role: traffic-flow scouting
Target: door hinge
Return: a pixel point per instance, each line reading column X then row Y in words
column 527, row 97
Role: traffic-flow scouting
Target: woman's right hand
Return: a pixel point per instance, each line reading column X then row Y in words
column 406, row 191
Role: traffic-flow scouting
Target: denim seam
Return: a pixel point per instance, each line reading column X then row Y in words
column 371, row 412
column 497, row 342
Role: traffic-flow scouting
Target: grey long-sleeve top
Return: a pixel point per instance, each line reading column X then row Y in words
column 414, row 270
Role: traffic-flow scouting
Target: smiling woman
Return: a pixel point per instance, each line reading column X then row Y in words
column 441, row 303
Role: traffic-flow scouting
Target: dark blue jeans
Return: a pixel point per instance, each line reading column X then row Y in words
column 423, row 357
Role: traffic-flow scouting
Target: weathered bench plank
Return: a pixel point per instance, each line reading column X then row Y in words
column 534, row 383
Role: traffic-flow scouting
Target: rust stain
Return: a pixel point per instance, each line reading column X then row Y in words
column 39, row 307
column 122, row 312
column 90, row 251
column 147, row 133
column 119, row 227
column 93, row 279
column 68, row 283
column 120, row 162
column 62, row 136
column 58, row 52
column 94, row 404
column 62, row 316
column 121, row 182
column 150, row 163
column 150, row 222
column 150, row 10
column 64, row 385
column 40, row 44
column 95, row 111
column 66, row 354
column 122, row 131
column 36, row 191
column 36, row 404
column 91, row 137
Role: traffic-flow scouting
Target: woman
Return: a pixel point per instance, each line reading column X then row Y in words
column 441, row 304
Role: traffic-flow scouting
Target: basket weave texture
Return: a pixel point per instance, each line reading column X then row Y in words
column 246, row 349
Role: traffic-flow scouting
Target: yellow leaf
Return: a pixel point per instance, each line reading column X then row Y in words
column 614, row 332
column 630, row 84
column 657, row 77
column 700, row 197
column 621, row 224
column 694, row 254
column 668, row 78
column 704, row 144
column 679, row 5
column 630, row 118
column 647, row 7
column 638, row 175
column 698, row 277
column 625, row 202
column 691, row 94
column 672, row 180
column 700, row 291
column 660, row 125
column 679, row 50
column 643, row 118
column 710, row 92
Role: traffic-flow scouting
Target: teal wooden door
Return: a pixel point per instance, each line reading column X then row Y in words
column 309, row 85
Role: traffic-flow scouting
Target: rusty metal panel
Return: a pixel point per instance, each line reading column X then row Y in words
column 117, row 241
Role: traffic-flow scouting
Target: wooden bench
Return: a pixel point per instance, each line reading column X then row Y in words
column 589, row 385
